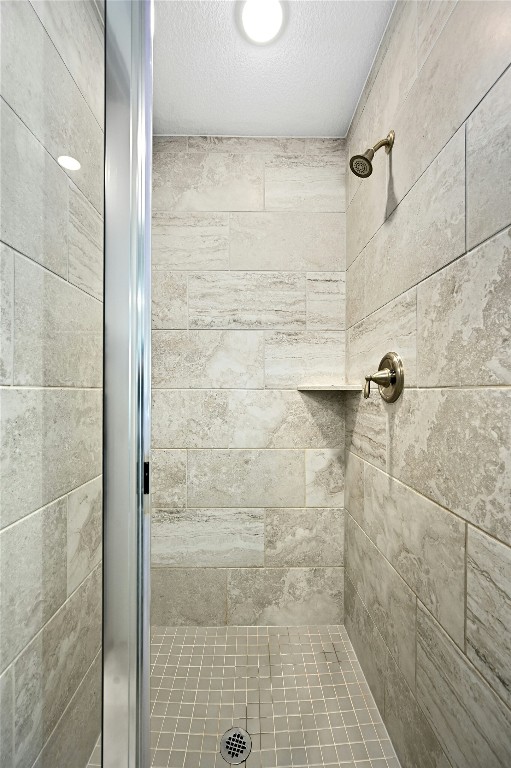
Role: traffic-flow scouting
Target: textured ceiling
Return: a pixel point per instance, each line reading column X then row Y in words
column 208, row 79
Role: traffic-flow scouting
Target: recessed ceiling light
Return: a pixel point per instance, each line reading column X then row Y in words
column 262, row 19
column 69, row 163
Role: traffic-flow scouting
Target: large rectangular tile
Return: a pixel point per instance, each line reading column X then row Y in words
column 424, row 543
column 367, row 211
column 463, row 321
column 6, row 313
column 312, row 358
column 188, row 597
column 489, row 164
column 168, row 478
column 326, row 299
column 207, row 537
column 169, row 294
column 472, row 724
column 390, row 602
column 237, row 418
column 354, row 486
column 190, row 240
column 468, row 57
column 392, row 328
column 51, row 442
column 206, row 181
column 246, row 300
column 489, row 610
column 33, row 585
column 432, row 17
column 50, row 669
column 246, row 478
column 34, row 195
column 366, row 428
column 247, row 144
column 311, row 183
column 287, row 240
column 304, row 537
column 58, row 331
column 285, row 596
column 425, row 232
column 84, row 532
column 455, row 447
column 324, row 477
column 86, row 258
column 46, row 98
column 205, row 359
column 7, row 718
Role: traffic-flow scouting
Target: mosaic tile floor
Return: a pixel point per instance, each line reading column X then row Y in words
column 298, row 691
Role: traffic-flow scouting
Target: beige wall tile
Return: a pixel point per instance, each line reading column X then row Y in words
column 432, row 16
column 355, row 291
column 325, row 146
column 188, row 597
column 366, row 428
column 247, row 478
column 7, row 718
column 85, row 244
column 84, row 532
column 169, row 475
column 287, row 240
column 246, row 300
column 368, row 209
column 304, row 537
column 169, row 293
column 6, row 313
column 308, row 357
column 354, row 486
column 326, row 300
column 247, row 144
column 310, row 183
column 324, row 477
column 190, row 240
column 463, row 320
column 489, row 164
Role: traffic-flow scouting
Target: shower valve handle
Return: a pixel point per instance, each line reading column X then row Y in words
column 390, row 377
column 383, row 378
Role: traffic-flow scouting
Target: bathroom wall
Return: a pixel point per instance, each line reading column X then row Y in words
column 428, row 542
column 50, row 383
column 248, row 303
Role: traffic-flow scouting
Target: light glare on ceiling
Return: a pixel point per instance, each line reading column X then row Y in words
column 262, row 19
column 69, row 163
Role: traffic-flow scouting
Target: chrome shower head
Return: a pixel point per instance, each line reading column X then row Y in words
column 362, row 165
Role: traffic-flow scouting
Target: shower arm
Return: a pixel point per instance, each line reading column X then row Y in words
column 387, row 142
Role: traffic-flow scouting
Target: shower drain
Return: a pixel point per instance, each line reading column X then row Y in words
column 235, row 745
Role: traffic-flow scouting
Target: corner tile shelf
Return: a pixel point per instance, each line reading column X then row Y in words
column 332, row 388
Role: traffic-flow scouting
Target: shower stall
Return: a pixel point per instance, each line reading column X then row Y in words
column 255, row 408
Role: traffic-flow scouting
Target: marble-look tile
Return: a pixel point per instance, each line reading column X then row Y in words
column 66, row 23
column 425, row 232
column 73, row 740
column 324, row 477
column 51, row 667
column 207, row 537
column 248, row 144
column 470, row 721
column 354, row 486
column 50, row 443
column 389, row 601
column 326, row 295
column 85, row 244
column 48, row 101
column 287, row 240
column 34, row 194
column 303, row 358
column 7, row 718
column 367, row 642
column 58, row 331
column 310, row 183
column 304, row 537
column 204, row 359
column 432, row 17
column 489, row 163
column 169, row 295
column 207, row 181
column 193, row 597
column 246, row 478
column 368, row 209
column 325, row 146
column 468, row 57
column 424, row 543
column 190, row 240
column 391, row 328
column 246, row 300
column 168, row 476
column 33, row 585
column 169, row 145
column 463, row 322
column 236, row 418
column 355, row 291
column 489, row 610
column 285, row 596
column 366, row 428
column 412, row 736
column 84, row 532
column 6, row 313
column 455, row 447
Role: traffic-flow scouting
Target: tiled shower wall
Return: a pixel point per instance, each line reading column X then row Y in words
column 50, row 383
column 428, row 495
column 248, row 303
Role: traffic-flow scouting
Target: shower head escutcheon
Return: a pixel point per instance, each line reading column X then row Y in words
column 362, row 165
